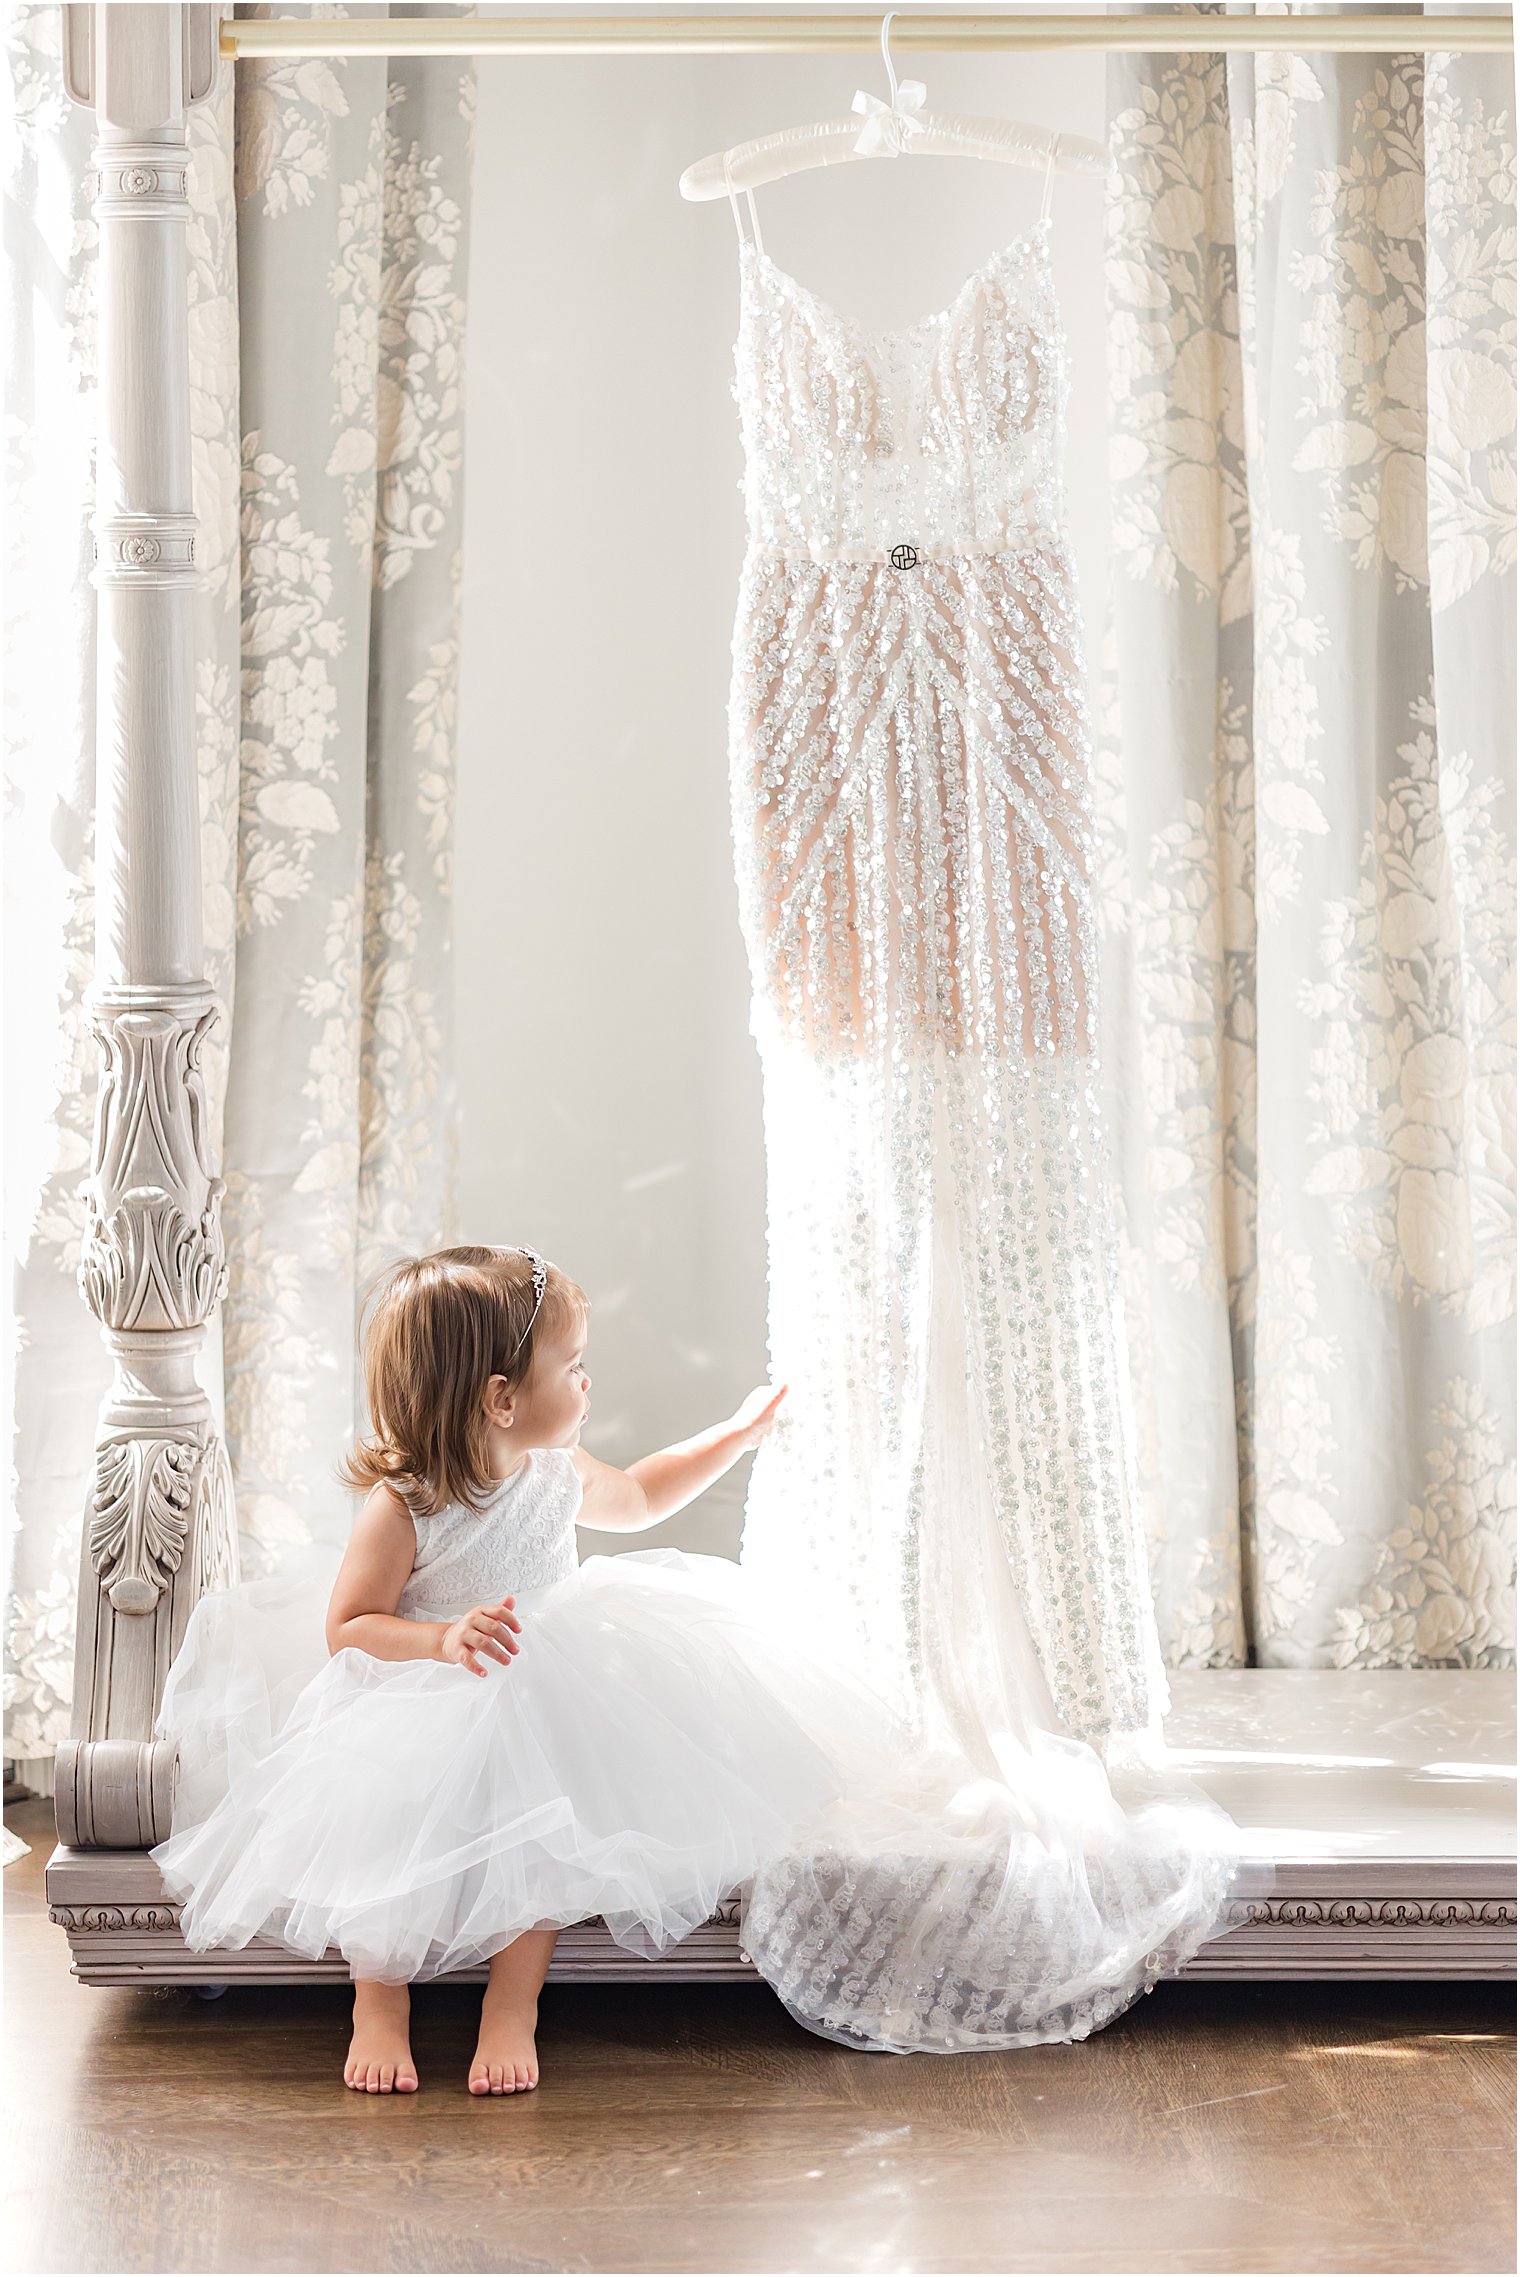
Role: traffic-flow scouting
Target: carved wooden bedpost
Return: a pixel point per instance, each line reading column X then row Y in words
column 159, row 1528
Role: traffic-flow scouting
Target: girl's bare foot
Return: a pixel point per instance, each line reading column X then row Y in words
column 380, row 2053
column 506, row 2055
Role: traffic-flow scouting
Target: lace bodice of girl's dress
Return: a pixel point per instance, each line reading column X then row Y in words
column 523, row 1537
column 938, row 434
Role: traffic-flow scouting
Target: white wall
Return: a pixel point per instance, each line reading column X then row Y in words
column 610, row 1089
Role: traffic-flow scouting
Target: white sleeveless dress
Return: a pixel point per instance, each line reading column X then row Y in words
column 950, row 1486
column 656, row 1733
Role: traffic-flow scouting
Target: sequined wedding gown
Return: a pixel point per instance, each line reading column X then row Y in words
column 947, row 1497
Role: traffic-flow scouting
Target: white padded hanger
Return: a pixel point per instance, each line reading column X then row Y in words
column 899, row 128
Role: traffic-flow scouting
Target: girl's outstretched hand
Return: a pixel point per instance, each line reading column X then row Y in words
column 485, row 1628
column 754, row 1416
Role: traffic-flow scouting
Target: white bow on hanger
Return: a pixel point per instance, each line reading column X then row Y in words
column 888, row 125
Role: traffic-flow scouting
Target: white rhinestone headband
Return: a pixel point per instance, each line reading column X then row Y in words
column 540, row 1283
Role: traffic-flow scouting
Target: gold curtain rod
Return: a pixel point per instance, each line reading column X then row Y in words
column 1350, row 32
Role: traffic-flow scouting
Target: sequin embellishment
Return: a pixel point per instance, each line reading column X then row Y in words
column 911, row 790
column 947, row 1498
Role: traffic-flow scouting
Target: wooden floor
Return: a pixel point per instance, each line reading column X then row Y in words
column 695, row 2128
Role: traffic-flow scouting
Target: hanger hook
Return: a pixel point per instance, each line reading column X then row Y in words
column 886, row 54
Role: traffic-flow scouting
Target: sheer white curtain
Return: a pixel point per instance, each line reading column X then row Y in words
column 328, row 244
column 1308, row 804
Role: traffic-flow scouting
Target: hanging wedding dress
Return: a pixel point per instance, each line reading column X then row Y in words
column 947, row 1497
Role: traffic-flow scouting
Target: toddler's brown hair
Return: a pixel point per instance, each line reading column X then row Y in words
column 440, row 1327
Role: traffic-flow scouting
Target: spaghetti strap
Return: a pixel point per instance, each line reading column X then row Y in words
column 1050, row 172
column 733, row 201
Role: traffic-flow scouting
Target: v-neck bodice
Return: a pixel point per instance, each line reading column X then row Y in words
column 938, row 437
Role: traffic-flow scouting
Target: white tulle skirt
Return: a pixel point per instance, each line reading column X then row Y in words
column 657, row 1745
column 653, row 1739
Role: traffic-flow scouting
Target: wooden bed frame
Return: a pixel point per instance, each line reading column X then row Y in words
column 160, row 1528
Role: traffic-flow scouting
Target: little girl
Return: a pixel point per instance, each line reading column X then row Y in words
column 501, row 1741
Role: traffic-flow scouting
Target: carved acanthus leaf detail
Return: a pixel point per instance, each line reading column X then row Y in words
column 216, row 1565
column 141, row 1514
column 148, row 1254
column 153, row 1255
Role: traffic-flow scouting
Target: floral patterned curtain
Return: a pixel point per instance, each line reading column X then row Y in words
column 327, row 253
column 352, row 200
column 1307, row 799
